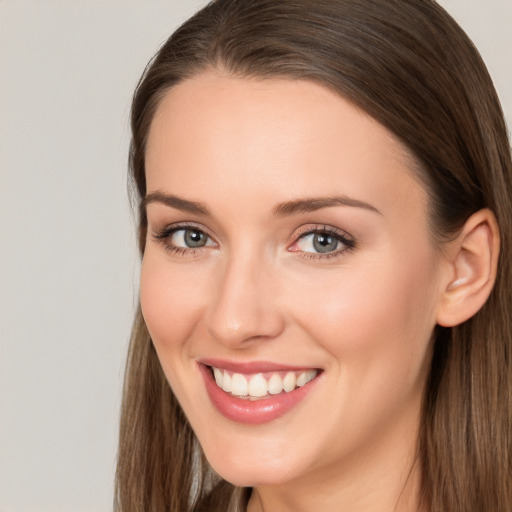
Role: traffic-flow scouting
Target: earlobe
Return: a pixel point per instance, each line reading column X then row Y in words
column 473, row 260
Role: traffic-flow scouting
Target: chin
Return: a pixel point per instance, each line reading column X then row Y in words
column 245, row 469
column 253, row 477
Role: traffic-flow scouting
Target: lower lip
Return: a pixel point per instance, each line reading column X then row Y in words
column 252, row 412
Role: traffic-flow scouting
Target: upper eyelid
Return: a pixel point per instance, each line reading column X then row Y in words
column 321, row 228
column 346, row 239
column 177, row 226
column 164, row 235
column 306, row 229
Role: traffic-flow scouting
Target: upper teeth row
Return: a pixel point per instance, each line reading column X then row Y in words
column 257, row 385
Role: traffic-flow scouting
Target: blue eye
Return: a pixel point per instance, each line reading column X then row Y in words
column 318, row 242
column 183, row 239
column 190, row 238
column 322, row 242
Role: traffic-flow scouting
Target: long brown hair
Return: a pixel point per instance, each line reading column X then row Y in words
column 412, row 68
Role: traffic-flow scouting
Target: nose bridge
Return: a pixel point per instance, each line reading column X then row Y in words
column 243, row 307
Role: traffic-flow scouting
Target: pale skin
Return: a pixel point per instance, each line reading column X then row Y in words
column 258, row 289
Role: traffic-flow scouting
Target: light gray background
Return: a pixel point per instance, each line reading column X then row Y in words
column 68, row 267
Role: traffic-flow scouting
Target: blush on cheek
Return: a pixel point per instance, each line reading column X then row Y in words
column 169, row 302
column 373, row 314
column 157, row 304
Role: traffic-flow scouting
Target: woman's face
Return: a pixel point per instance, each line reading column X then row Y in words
column 288, row 245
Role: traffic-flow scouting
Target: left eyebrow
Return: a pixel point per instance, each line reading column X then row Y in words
column 316, row 203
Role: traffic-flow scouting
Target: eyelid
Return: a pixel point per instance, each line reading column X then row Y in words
column 163, row 235
column 321, row 228
column 345, row 238
column 168, row 229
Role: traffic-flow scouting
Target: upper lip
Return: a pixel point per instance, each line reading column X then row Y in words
column 249, row 367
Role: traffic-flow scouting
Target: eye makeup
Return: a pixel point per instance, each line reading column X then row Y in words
column 326, row 242
column 310, row 242
column 184, row 239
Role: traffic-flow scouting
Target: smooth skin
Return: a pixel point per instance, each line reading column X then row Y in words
column 238, row 276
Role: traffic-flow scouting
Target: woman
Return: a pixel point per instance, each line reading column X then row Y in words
column 325, row 224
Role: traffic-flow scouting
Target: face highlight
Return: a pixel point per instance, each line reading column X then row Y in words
column 289, row 280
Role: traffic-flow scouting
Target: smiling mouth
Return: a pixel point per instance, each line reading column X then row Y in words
column 259, row 386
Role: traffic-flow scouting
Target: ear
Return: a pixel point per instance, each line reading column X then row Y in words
column 472, row 260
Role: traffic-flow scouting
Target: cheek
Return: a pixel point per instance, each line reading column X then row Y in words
column 378, row 316
column 375, row 323
column 170, row 301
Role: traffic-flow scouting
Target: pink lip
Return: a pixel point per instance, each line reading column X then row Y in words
column 252, row 367
column 252, row 412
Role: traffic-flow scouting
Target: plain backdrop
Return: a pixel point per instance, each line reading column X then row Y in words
column 68, row 263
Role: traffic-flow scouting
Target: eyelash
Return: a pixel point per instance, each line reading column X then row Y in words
column 162, row 236
column 346, row 240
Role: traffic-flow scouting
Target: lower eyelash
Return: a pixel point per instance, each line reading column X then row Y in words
column 162, row 236
column 348, row 243
column 327, row 255
column 172, row 249
column 162, row 239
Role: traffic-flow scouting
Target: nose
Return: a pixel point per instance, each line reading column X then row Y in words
column 243, row 309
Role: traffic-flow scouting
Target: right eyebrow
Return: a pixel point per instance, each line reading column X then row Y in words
column 174, row 202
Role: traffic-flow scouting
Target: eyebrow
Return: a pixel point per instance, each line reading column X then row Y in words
column 316, row 203
column 174, row 202
column 288, row 208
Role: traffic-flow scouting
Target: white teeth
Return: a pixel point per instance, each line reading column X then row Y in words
column 239, row 386
column 218, row 376
column 275, row 384
column 306, row 377
column 289, row 382
column 257, row 386
column 226, row 382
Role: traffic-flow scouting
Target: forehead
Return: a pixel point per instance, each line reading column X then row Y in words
column 227, row 138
